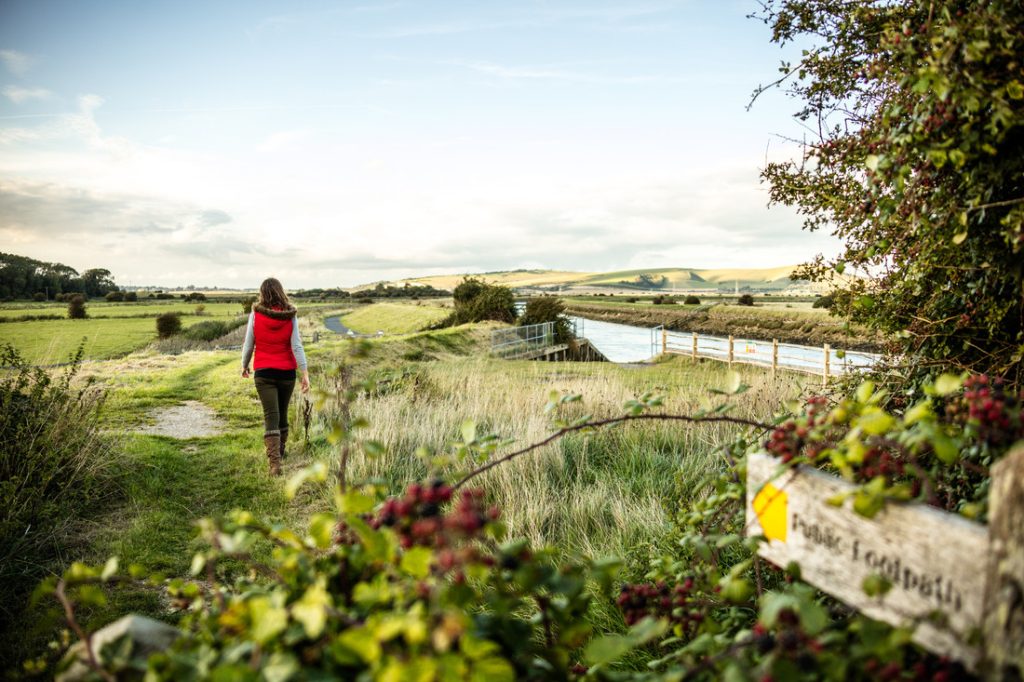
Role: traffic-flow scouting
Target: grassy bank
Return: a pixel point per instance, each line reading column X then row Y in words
column 806, row 327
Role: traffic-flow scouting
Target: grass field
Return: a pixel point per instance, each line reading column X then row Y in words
column 393, row 318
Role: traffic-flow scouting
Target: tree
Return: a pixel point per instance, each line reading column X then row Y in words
column 745, row 299
column 917, row 164
column 98, row 282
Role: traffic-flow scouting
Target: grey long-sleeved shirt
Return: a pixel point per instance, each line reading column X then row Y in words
column 250, row 342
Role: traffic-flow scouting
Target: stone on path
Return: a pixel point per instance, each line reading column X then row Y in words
column 190, row 419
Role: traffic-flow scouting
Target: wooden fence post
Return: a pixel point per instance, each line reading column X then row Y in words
column 695, row 345
column 664, row 341
column 828, row 357
column 775, row 357
column 316, row 336
column 1003, row 625
column 730, row 351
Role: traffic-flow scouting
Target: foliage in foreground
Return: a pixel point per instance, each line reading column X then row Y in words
column 54, row 467
column 426, row 585
column 916, row 161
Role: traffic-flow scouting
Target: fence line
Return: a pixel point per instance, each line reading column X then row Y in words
column 824, row 361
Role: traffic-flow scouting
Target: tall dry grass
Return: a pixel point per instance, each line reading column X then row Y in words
column 606, row 493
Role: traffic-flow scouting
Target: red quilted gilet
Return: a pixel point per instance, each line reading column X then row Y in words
column 273, row 343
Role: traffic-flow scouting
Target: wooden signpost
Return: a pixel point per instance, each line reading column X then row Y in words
column 948, row 577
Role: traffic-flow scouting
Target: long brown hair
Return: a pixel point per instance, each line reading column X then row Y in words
column 272, row 294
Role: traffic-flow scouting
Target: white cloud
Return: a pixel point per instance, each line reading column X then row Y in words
column 17, row 63
column 19, row 95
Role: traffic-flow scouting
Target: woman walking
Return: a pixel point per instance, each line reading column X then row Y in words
column 274, row 333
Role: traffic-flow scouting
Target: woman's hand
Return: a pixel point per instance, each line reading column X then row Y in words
column 245, row 372
column 305, row 382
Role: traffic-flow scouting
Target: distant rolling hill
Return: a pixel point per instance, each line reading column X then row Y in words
column 659, row 279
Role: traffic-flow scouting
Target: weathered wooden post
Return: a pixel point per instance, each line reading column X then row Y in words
column 316, row 336
column 775, row 357
column 1003, row 627
column 730, row 351
column 695, row 345
column 664, row 340
column 828, row 358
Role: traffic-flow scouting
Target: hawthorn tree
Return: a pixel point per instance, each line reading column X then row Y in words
column 915, row 160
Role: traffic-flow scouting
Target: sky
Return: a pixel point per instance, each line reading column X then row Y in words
column 339, row 143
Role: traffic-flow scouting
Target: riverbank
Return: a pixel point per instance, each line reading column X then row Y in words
column 788, row 326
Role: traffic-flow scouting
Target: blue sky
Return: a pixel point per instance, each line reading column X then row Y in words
column 346, row 142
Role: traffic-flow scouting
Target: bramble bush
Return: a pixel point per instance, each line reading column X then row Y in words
column 916, row 165
column 427, row 584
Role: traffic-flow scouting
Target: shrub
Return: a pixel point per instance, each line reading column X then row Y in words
column 131, row 296
column 55, row 466
column 114, row 296
column 631, row 299
column 212, row 329
column 825, row 301
column 200, row 309
column 691, row 300
column 39, row 297
column 547, row 309
column 247, row 304
column 162, row 296
column 168, row 324
column 745, row 299
column 194, row 296
column 76, row 307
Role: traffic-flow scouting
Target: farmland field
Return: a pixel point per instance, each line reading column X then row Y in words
column 393, row 318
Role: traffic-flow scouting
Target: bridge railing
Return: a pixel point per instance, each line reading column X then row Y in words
column 824, row 361
column 512, row 341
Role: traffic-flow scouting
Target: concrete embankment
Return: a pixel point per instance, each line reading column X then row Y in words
column 757, row 323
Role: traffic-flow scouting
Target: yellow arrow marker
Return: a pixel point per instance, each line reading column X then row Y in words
column 770, row 505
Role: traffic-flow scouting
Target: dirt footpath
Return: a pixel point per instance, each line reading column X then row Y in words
column 190, row 419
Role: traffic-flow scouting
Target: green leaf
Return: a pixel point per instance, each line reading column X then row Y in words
column 362, row 642
column 468, row 431
column 948, row 383
column 311, row 610
column 416, row 561
column 280, row 667
column 876, row 585
column 945, row 449
column 921, row 410
column 355, row 502
column 109, row 569
column 871, row 161
column 315, row 472
column 321, row 530
column 609, row 648
column 959, row 237
column 268, row 621
column 875, row 422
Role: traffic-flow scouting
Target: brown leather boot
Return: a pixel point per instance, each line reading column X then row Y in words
column 273, row 443
column 284, row 441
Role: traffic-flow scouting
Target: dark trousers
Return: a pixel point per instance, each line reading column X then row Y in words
column 274, row 396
